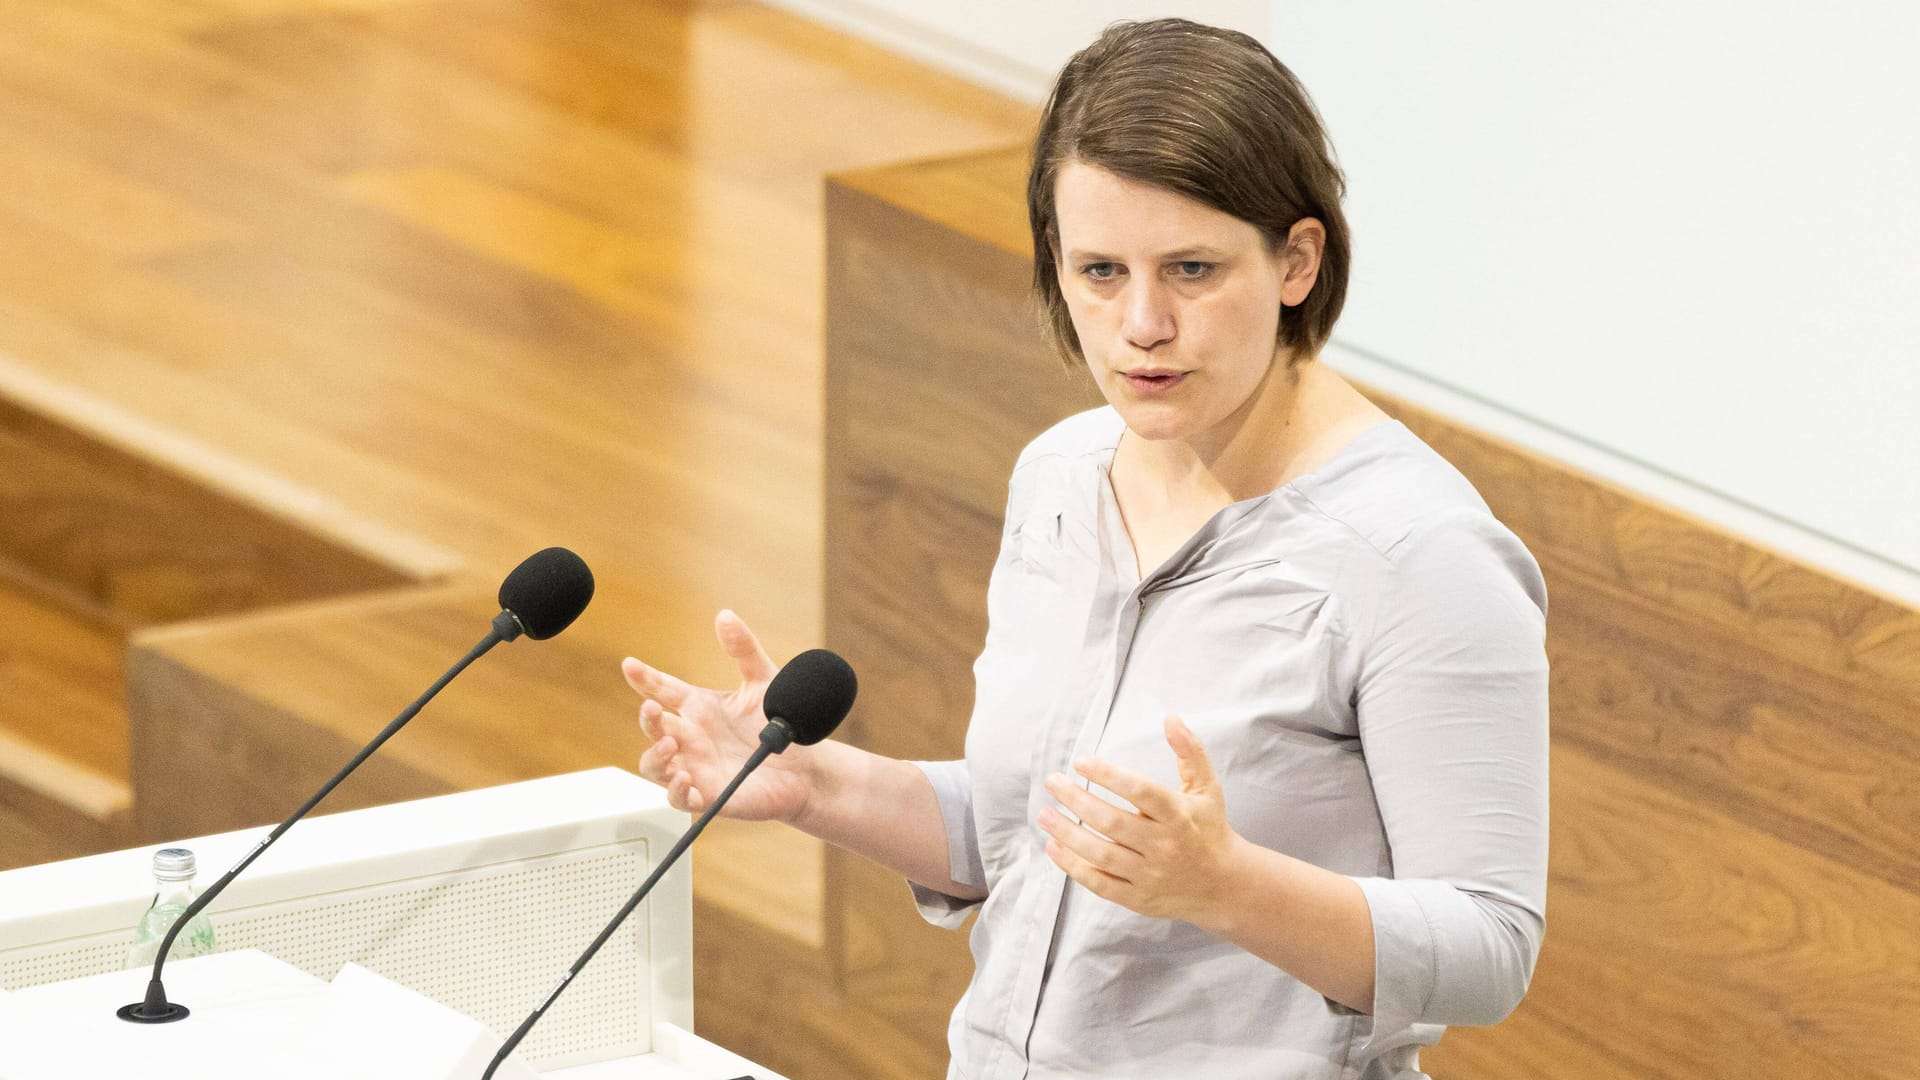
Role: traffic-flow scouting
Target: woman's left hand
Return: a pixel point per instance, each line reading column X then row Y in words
column 1173, row 859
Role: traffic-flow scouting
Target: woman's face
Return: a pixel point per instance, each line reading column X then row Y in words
column 1177, row 305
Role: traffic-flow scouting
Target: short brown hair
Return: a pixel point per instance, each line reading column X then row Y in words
column 1202, row 112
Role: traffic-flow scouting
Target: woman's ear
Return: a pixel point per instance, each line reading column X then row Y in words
column 1300, row 260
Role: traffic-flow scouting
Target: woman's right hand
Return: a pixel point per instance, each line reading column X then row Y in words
column 702, row 737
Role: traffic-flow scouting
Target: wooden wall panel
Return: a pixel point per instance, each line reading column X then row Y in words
column 775, row 1003
column 260, row 702
column 932, row 388
column 1735, row 890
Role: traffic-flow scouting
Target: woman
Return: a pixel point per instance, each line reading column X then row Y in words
column 1255, row 782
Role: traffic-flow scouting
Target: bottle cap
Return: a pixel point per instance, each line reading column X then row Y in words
column 173, row 864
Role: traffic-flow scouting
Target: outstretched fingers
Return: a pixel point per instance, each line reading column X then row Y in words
column 1094, row 878
column 683, row 796
column 653, row 723
column 1152, row 801
column 1196, row 768
column 658, row 759
column 741, row 644
column 651, row 682
column 1094, row 812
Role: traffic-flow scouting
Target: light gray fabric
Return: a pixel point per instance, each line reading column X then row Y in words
column 1362, row 654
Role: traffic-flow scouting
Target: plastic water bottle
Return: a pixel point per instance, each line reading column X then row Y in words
column 173, row 870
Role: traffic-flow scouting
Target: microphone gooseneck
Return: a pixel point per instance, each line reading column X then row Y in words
column 806, row 700
column 554, row 615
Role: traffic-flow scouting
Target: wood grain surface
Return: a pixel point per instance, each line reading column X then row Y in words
column 1736, row 744
column 97, row 541
column 116, row 536
column 466, row 268
column 443, row 282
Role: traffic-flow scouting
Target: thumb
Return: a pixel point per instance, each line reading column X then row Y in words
column 754, row 663
column 1196, row 769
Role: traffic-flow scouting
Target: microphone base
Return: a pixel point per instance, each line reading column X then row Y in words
column 139, row 1013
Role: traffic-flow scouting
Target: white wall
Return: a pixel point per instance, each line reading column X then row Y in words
column 1675, row 240
column 1015, row 46
column 1676, row 244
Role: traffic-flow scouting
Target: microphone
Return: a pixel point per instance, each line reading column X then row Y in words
column 806, row 700
column 543, row 595
column 540, row 598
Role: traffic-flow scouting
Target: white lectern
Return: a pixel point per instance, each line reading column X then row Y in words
column 402, row 940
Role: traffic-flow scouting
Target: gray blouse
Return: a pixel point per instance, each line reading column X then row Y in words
column 1361, row 652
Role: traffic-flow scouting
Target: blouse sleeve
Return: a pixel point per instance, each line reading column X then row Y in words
column 1451, row 699
column 951, row 787
column 952, row 784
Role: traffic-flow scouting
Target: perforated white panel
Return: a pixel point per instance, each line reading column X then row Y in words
column 21, row 968
column 488, row 942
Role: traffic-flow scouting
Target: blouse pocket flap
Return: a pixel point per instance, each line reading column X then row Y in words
column 1280, row 600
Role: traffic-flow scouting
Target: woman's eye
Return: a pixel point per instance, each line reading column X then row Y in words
column 1101, row 271
column 1193, row 270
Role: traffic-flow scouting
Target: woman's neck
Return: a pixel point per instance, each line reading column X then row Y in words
column 1299, row 417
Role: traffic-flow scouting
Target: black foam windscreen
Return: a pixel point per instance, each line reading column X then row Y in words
column 812, row 694
column 547, row 591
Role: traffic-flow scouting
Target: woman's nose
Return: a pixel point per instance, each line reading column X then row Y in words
column 1149, row 319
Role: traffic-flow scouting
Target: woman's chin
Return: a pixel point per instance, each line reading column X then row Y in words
column 1154, row 421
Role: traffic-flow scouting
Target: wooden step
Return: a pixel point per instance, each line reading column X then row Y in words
column 51, row 809
column 235, row 719
column 62, row 682
column 96, row 541
column 64, row 788
column 126, row 536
